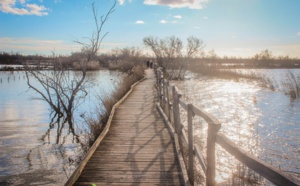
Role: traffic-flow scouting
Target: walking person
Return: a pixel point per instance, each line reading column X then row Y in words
column 151, row 64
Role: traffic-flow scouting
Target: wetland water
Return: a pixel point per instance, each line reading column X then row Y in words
column 31, row 151
column 262, row 121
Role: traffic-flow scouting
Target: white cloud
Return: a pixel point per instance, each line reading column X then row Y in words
column 163, row 21
column 205, row 17
column 178, row 17
column 139, row 22
column 298, row 34
column 121, row 2
column 36, row 10
column 20, row 7
column 192, row 4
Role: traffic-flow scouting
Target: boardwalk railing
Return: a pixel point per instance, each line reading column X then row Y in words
column 171, row 105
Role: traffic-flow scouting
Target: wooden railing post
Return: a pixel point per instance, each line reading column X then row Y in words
column 165, row 95
column 190, row 115
column 168, row 100
column 161, row 90
column 159, row 85
column 157, row 76
column 211, row 156
column 176, row 115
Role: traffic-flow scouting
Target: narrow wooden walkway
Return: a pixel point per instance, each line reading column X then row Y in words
column 138, row 149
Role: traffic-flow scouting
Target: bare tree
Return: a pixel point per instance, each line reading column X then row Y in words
column 166, row 49
column 63, row 89
column 195, row 47
column 212, row 54
column 91, row 48
column 153, row 43
column 170, row 56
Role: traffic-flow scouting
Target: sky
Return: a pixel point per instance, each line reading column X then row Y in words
column 240, row 28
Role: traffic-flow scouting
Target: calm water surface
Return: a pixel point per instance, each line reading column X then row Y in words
column 262, row 121
column 31, row 151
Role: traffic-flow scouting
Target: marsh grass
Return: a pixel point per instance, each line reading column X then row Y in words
column 292, row 84
column 121, row 65
column 92, row 65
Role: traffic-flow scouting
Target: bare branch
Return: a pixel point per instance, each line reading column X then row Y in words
column 195, row 46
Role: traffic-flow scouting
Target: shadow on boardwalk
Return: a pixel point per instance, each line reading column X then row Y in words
column 138, row 148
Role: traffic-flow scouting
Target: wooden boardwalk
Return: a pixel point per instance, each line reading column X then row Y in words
column 138, row 149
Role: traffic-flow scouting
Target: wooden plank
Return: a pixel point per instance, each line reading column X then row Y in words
column 117, row 184
column 163, row 138
column 130, row 178
column 144, row 151
column 115, row 159
column 135, row 148
column 125, row 128
column 140, row 140
column 108, row 183
column 149, row 175
column 130, row 166
column 138, row 154
column 137, row 180
column 138, row 136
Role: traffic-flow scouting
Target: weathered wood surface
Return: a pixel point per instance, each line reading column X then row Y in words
column 138, row 149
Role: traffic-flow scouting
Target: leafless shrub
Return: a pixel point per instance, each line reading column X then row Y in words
column 169, row 54
column 126, row 59
column 92, row 65
column 121, row 65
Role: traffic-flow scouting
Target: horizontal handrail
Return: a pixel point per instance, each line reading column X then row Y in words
column 183, row 104
column 277, row 176
column 210, row 119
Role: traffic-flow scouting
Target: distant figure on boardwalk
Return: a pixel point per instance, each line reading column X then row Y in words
column 151, row 64
column 148, row 64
